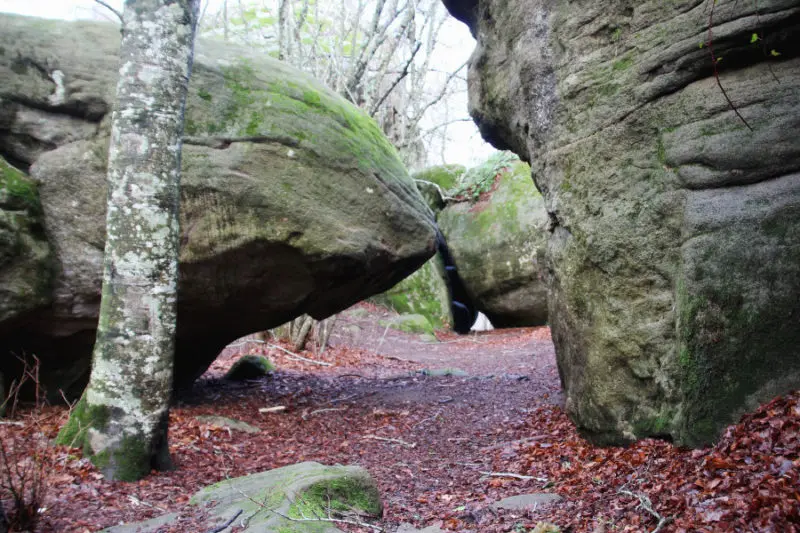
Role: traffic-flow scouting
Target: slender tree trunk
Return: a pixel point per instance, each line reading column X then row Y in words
column 121, row 421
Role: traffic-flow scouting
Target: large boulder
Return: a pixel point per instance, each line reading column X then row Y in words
column 497, row 239
column 293, row 201
column 674, row 252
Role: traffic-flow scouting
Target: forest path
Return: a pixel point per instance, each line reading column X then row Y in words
column 448, row 430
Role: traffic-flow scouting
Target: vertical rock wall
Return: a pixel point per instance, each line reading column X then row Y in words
column 674, row 252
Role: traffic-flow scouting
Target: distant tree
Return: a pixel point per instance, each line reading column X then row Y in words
column 121, row 420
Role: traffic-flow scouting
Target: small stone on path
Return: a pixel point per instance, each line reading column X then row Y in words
column 524, row 502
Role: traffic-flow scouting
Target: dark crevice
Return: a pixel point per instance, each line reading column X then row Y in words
column 93, row 109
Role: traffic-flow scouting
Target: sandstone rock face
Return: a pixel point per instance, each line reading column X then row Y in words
column 498, row 242
column 25, row 257
column 293, row 201
column 674, row 254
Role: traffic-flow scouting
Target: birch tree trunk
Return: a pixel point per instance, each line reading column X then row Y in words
column 121, row 421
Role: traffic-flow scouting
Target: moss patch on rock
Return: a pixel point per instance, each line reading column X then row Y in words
column 422, row 293
column 249, row 367
column 410, row 323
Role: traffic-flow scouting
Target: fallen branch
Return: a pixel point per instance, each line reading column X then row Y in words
column 330, row 520
column 326, row 410
column 513, row 443
column 298, row 357
column 136, row 501
column 117, row 13
column 276, row 409
column 393, row 441
column 343, row 399
column 515, row 476
column 226, row 524
column 647, row 505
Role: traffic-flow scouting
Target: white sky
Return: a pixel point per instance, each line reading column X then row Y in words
column 465, row 147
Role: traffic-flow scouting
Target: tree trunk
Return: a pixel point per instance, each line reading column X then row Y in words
column 121, row 421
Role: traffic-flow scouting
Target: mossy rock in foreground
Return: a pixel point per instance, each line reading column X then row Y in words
column 280, row 500
column 249, row 367
column 411, row 323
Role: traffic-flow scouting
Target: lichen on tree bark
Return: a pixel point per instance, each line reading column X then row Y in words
column 121, row 421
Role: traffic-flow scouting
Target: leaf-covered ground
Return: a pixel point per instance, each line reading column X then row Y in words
column 430, row 440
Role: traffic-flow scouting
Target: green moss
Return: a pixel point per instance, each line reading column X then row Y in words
column 128, row 461
column 204, row 94
column 445, row 176
column 250, row 367
column 312, row 98
column 18, row 190
column 409, row 323
column 623, row 64
column 337, row 496
column 422, row 293
column 82, row 417
column 661, row 151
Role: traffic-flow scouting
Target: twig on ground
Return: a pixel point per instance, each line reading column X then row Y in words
column 647, row 505
column 276, row 409
column 136, row 501
column 226, row 524
column 299, row 357
column 434, row 417
column 330, row 520
column 342, row 399
column 383, row 338
column 516, row 476
column 326, row 410
column 513, row 442
column 393, row 441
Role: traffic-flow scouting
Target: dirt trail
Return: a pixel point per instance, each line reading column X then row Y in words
column 429, row 421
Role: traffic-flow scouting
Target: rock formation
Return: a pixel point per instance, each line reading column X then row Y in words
column 674, row 251
column 293, row 201
column 497, row 242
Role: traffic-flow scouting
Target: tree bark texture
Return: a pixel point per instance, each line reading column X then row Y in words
column 121, row 421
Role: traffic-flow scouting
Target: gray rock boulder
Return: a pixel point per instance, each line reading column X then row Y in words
column 293, row 201
column 305, row 490
column 497, row 240
column 674, row 251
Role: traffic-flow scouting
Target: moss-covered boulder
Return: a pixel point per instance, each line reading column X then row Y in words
column 410, row 323
column 497, row 232
column 304, row 492
column 293, row 201
column 423, row 293
column 674, row 251
column 249, row 367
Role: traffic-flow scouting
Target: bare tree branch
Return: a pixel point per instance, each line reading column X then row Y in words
column 117, row 13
